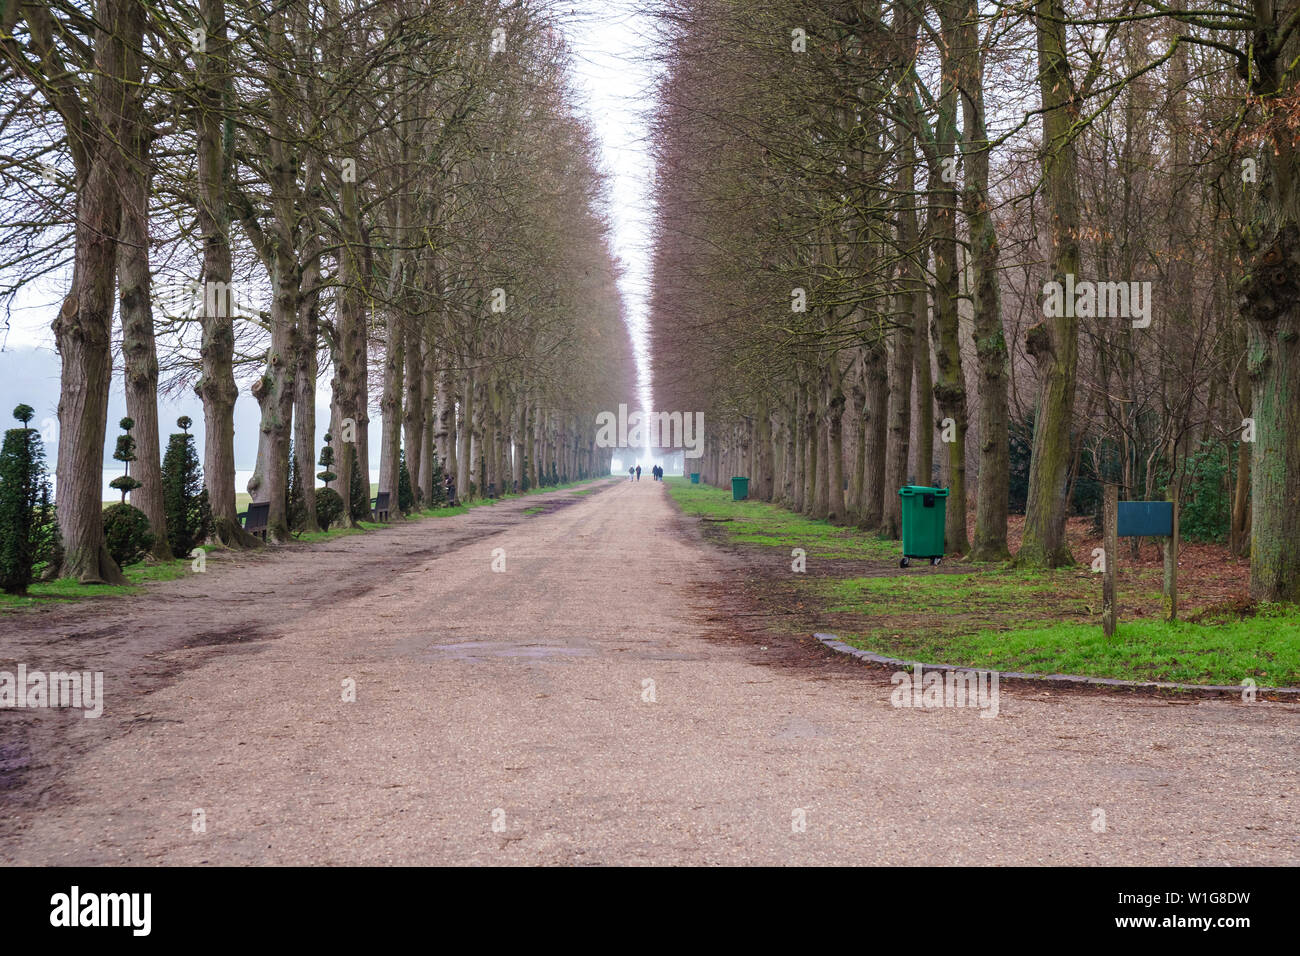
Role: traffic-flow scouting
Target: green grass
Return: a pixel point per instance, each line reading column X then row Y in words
column 993, row 588
column 995, row 616
column 1265, row 648
column 1049, row 622
column 533, row 511
column 66, row 589
column 760, row 523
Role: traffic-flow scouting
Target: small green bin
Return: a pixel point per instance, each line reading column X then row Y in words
column 739, row 489
column 695, row 477
column 923, row 519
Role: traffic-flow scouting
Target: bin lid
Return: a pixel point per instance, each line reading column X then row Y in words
column 909, row 490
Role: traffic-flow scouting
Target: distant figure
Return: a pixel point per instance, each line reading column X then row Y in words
column 638, row 472
column 631, row 473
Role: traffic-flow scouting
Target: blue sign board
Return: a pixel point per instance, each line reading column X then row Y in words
column 1145, row 519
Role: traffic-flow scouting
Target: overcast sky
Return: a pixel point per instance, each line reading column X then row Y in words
column 611, row 43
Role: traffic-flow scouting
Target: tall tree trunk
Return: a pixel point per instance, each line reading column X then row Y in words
column 835, row 443
column 799, row 456
column 413, row 409
column 304, row 390
column 390, row 405
column 811, row 436
column 348, row 385
column 463, row 473
column 990, row 341
column 875, row 410
column 1239, row 533
column 1269, row 296
column 139, row 354
column 83, row 326
column 428, row 388
column 1055, row 342
column 216, row 385
column 950, row 385
column 902, row 361
column 445, row 415
column 857, row 476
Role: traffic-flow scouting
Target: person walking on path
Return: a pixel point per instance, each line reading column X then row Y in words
column 638, row 472
column 631, row 473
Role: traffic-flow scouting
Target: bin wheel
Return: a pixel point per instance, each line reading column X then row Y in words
column 934, row 561
column 904, row 562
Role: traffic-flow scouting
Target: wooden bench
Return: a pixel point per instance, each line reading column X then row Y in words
column 255, row 518
column 379, row 505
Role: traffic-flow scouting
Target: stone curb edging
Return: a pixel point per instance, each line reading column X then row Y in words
column 1059, row 680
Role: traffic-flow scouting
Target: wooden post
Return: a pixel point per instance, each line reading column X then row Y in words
column 1110, row 543
column 1171, row 567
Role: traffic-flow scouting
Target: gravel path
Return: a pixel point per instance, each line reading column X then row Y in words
column 502, row 717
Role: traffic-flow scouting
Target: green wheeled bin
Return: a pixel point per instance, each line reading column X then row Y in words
column 739, row 489
column 695, row 477
column 923, row 518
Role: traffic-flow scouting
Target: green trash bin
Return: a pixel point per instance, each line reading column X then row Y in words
column 923, row 518
column 695, row 477
column 739, row 489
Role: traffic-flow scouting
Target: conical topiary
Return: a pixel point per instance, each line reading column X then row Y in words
column 25, row 510
column 125, row 453
column 185, row 500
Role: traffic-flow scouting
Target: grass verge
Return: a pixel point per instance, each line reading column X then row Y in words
column 996, row 617
column 64, row 589
column 771, row 526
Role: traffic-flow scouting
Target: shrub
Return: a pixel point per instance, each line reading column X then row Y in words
column 439, row 484
column 1021, row 439
column 1206, row 510
column 185, row 501
column 125, row 453
column 126, row 529
column 329, row 507
column 25, row 509
column 295, row 505
column 358, row 503
column 47, row 543
column 327, row 459
column 405, row 495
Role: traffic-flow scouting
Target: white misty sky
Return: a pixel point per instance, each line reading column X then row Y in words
column 611, row 45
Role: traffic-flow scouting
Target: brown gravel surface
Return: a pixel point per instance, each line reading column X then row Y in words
column 501, row 717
